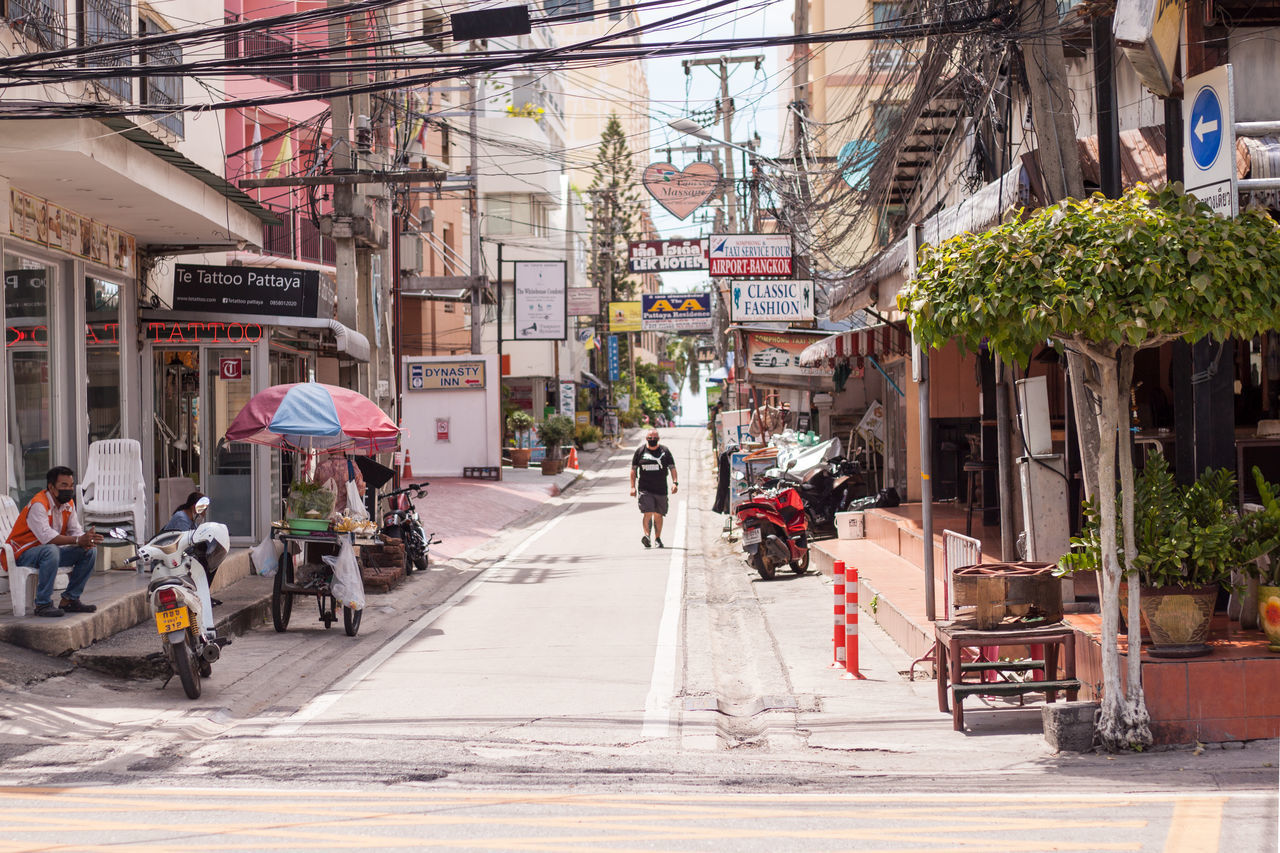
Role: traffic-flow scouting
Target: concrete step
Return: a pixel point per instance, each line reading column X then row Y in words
column 135, row 652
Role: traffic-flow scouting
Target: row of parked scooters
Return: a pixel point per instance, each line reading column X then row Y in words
column 182, row 565
column 786, row 509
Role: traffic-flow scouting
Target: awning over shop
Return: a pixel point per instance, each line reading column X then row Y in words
column 347, row 341
column 878, row 341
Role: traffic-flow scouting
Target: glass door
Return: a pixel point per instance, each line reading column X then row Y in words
column 228, row 480
column 28, row 285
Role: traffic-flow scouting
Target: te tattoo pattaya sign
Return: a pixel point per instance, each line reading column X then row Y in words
column 770, row 301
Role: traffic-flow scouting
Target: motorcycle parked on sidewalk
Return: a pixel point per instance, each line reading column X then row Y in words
column 775, row 529
column 181, row 565
column 401, row 522
column 825, row 489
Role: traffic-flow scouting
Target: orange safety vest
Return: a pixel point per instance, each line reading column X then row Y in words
column 22, row 536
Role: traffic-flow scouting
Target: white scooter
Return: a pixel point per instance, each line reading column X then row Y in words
column 181, row 565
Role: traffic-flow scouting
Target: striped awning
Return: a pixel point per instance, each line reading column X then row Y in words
column 878, row 341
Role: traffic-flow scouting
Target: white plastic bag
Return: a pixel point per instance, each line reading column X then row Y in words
column 347, row 585
column 265, row 556
column 355, row 502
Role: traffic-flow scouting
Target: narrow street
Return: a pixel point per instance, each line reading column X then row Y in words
column 562, row 687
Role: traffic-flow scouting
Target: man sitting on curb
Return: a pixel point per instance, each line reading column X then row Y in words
column 48, row 535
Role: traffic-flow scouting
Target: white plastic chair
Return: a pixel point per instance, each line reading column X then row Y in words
column 958, row 551
column 113, row 489
column 22, row 579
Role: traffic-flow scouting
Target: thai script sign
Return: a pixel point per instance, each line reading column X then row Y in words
column 750, row 254
column 666, row 255
column 770, row 301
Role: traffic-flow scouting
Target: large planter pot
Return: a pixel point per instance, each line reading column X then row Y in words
column 1269, row 614
column 520, row 457
column 552, row 465
column 1178, row 619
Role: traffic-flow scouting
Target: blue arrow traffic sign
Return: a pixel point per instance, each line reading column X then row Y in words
column 1206, row 127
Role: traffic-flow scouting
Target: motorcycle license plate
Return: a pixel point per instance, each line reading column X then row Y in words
column 751, row 536
column 172, row 620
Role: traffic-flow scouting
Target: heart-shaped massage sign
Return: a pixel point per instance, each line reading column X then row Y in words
column 681, row 192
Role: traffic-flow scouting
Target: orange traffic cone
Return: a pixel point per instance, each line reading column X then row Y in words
column 406, row 466
column 573, row 458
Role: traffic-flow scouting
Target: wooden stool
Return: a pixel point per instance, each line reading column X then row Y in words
column 973, row 471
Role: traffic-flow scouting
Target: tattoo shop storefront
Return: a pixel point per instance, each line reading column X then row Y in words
column 232, row 332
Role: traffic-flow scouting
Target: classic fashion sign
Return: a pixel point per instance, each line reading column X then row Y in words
column 750, row 254
column 675, row 312
column 681, row 191
column 666, row 255
column 541, row 310
column 770, row 301
column 246, row 290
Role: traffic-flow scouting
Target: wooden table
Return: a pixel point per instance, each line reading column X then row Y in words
column 951, row 639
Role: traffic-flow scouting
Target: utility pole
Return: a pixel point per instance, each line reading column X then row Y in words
column 800, row 112
column 477, row 304
column 343, row 161
column 721, row 67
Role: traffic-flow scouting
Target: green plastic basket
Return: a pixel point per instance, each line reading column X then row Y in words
column 308, row 524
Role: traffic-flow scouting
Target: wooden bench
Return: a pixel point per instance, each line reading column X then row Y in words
column 951, row 639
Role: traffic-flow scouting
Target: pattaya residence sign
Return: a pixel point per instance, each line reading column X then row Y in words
column 666, row 255
column 246, row 290
column 770, row 301
column 741, row 255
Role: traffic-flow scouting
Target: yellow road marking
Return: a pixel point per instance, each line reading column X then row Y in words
column 1196, row 825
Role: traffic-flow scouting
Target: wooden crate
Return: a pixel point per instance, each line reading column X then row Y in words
column 991, row 596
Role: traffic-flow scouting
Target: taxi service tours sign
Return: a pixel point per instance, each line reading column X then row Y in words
column 675, row 312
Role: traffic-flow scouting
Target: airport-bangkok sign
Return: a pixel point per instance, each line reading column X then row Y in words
column 740, row 255
column 770, row 301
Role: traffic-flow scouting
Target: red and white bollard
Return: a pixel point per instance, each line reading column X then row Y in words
column 851, row 624
column 837, row 637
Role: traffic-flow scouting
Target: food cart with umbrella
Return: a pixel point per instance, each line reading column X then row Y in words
column 309, row 417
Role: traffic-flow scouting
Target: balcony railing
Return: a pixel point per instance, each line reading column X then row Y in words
column 312, row 246
column 314, row 81
column 265, row 45
column 103, row 22
column 164, row 91
column 38, row 20
column 278, row 239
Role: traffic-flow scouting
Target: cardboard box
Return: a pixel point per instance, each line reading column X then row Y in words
column 851, row 525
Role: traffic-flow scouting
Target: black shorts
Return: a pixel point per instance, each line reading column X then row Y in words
column 653, row 503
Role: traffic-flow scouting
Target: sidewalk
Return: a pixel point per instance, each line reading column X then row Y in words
column 463, row 513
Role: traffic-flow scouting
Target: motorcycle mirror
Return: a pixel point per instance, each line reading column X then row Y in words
column 119, row 533
column 792, row 464
column 201, row 505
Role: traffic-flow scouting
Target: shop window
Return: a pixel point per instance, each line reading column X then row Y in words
column 101, row 22
column 26, row 305
column 102, row 362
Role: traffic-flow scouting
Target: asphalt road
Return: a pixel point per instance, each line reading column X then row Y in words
column 563, row 688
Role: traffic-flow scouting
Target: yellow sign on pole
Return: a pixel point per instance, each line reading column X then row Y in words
column 625, row 316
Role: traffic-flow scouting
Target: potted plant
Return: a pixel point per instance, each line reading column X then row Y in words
column 1262, row 531
column 1188, row 541
column 518, row 424
column 552, row 433
column 587, row 436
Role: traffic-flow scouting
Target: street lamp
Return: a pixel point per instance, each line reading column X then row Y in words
column 689, row 127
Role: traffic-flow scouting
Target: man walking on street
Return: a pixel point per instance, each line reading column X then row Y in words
column 653, row 461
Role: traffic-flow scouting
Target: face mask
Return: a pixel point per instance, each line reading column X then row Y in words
column 653, row 442
column 65, row 495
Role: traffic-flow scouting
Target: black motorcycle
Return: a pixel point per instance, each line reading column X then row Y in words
column 401, row 522
column 826, row 489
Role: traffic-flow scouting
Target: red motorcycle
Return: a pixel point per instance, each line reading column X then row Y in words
column 775, row 530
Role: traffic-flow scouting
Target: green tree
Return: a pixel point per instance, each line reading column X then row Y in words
column 683, row 351
column 615, row 210
column 1104, row 278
